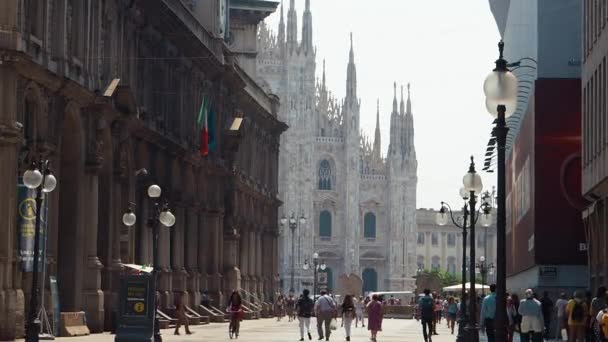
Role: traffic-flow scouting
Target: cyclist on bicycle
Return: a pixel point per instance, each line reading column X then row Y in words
column 236, row 311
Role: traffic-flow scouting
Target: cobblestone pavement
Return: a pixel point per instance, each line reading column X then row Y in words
column 269, row 330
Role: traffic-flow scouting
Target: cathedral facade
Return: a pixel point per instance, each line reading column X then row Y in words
column 353, row 205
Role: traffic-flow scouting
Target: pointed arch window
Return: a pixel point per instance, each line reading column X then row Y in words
column 325, row 225
column 325, row 175
column 369, row 226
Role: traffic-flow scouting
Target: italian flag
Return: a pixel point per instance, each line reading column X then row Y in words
column 203, row 126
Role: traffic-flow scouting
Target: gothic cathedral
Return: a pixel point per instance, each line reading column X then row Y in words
column 352, row 206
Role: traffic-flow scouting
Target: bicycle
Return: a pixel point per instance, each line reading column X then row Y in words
column 235, row 324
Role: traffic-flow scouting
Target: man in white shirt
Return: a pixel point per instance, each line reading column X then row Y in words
column 325, row 309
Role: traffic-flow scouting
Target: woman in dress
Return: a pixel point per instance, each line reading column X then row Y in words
column 348, row 314
column 359, row 307
column 452, row 312
column 374, row 316
column 279, row 307
column 512, row 317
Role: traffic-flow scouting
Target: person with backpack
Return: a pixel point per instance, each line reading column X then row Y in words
column 488, row 311
column 326, row 311
column 426, row 314
column 304, row 308
column 532, row 320
column 598, row 304
column 577, row 310
column 451, row 312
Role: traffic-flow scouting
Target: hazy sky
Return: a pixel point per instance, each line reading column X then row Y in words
column 444, row 48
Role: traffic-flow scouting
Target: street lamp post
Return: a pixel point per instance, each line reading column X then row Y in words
column 161, row 215
column 43, row 181
column 293, row 225
column 442, row 220
column 500, row 88
column 472, row 183
column 316, row 268
column 484, row 268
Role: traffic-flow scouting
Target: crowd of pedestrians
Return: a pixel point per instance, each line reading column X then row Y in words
column 328, row 312
column 579, row 317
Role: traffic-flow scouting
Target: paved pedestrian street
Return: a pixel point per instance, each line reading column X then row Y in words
column 269, row 330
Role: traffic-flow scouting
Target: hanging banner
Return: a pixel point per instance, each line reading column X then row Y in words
column 26, row 226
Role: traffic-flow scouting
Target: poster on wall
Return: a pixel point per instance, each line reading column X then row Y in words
column 26, row 227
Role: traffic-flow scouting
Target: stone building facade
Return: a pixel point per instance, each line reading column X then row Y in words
column 440, row 247
column 56, row 59
column 359, row 204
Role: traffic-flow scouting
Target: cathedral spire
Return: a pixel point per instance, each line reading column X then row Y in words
column 281, row 36
column 377, row 137
column 401, row 105
column 292, row 26
column 395, row 97
column 409, row 102
column 323, row 86
column 351, row 75
column 307, row 30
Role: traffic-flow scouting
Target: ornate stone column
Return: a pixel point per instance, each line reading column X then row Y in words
column 177, row 249
column 11, row 297
column 93, row 302
column 258, row 264
column 191, row 242
column 244, row 257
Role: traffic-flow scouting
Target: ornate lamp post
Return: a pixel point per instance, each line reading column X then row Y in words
column 316, row 267
column 293, row 225
column 484, row 268
column 41, row 178
column 442, row 220
column 160, row 215
column 472, row 183
column 500, row 88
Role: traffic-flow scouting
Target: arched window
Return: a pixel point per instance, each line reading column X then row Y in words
column 370, row 280
column 451, row 265
column 420, row 262
column 435, row 266
column 434, row 239
column 369, row 226
column 420, row 238
column 325, row 224
column 330, row 279
column 324, row 175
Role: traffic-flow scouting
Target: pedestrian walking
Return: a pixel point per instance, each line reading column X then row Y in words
column 512, row 317
column 279, row 307
column 602, row 319
column 437, row 307
column 304, row 308
column 547, row 306
column 562, row 318
column 516, row 302
column 488, row 311
column 577, row 311
column 426, row 315
column 598, row 304
column 451, row 313
column 375, row 314
column 180, row 312
column 359, row 308
column 290, row 304
column 325, row 310
column 532, row 320
column 348, row 314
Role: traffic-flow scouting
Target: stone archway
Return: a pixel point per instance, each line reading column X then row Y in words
column 370, row 280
